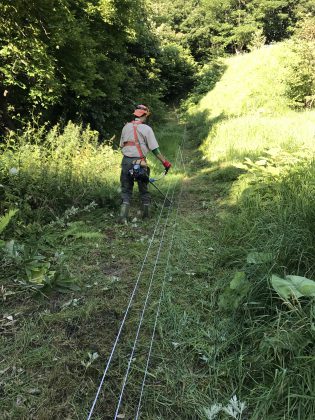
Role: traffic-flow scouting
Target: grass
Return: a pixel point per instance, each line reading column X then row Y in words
column 261, row 153
column 47, row 336
column 240, row 220
column 248, row 111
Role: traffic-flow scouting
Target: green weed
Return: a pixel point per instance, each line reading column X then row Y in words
column 46, row 173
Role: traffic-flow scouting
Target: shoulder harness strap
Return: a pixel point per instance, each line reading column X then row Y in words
column 136, row 138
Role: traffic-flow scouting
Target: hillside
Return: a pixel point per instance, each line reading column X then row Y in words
column 260, row 154
column 248, row 111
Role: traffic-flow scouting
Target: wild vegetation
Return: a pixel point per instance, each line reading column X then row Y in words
column 92, row 61
column 262, row 154
column 235, row 335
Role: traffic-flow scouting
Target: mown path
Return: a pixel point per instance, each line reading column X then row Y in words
column 55, row 352
column 178, row 384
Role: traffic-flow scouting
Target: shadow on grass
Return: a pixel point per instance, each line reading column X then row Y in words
column 266, row 211
column 201, row 124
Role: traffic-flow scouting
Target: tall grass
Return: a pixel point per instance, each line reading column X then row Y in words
column 251, row 135
column 248, row 110
column 45, row 173
column 262, row 153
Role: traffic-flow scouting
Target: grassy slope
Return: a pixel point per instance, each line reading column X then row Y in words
column 248, row 109
column 263, row 349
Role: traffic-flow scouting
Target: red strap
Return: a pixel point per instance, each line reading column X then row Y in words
column 135, row 132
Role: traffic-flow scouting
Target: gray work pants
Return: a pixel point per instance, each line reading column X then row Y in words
column 127, row 183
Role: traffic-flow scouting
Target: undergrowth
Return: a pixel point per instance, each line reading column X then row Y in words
column 263, row 152
column 44, row 173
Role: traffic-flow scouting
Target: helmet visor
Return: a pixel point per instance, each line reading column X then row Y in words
column 142, row 110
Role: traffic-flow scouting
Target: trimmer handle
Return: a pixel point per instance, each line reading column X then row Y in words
column 167, row 165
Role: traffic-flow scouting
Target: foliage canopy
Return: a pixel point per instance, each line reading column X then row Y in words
column 91, row 61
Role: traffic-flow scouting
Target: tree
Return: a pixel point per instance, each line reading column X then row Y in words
column 301, row 75
column 73, row 59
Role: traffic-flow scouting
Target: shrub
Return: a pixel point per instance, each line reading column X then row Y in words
column 301, row 76
column 177, row 71
column 43, row 174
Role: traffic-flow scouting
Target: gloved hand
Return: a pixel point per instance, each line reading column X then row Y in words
column 167, row 165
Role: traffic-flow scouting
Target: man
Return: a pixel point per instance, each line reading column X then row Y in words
column 137, row 140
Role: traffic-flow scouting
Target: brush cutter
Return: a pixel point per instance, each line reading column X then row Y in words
column 141, row 173
column 163, row 195
column 152, row 182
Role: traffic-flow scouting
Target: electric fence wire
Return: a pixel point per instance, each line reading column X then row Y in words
column 182, row 158
column 126, row 312
column 158, row 308
column 129, row 305
column 161, row 296
column 179, row 155
column 142, row 313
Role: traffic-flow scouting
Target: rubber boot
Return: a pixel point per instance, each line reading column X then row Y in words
column 145, row 211
column 123, row 215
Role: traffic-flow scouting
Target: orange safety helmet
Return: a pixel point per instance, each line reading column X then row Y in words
column 142, row 110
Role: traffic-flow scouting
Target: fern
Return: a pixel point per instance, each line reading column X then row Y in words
column 5, row 220
column 79, row 230
column 88, row 235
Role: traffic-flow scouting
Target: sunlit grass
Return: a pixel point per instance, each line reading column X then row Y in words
column 57, row 170
column 260, row 154
column 251, row 83
column 247, row 111
column 249, row 136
